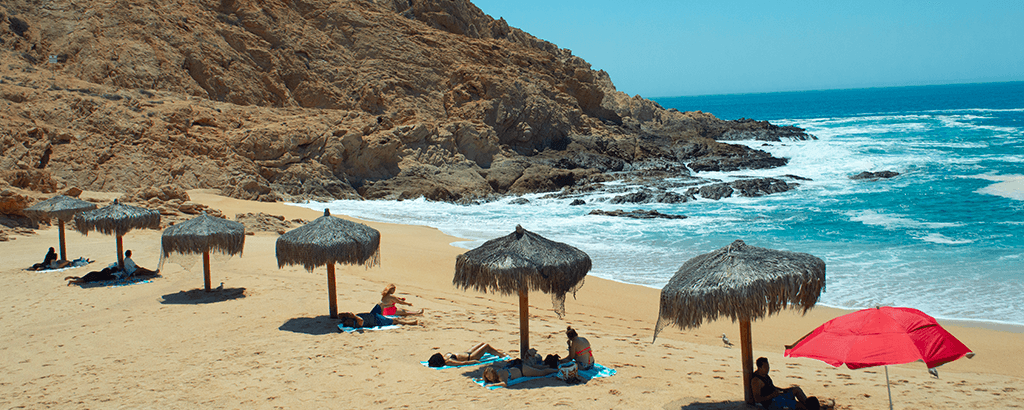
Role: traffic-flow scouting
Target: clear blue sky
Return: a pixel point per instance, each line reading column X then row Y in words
column 662, row 48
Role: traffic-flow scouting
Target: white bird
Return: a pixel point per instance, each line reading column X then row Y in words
column 934, row 372
column 726, row 341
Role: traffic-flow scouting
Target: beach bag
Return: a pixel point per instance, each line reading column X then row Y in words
column 569, row 372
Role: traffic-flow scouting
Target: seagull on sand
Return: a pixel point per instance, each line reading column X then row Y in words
column 726, row 341
column 934, row 372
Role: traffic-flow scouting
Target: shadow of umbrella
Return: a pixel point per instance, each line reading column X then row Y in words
column 117, row 219
column 316, row 326
column 201, row 235
column 202, row 296
column 328, row 240
column 64, row 208
column 743, row 283
column 518, row 263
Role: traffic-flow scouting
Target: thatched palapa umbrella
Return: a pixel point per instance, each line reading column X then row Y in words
column 62, row 207
column 117, row 219
column 203, row 234
column 518, row 263
column 326, row 241
column 741, row 282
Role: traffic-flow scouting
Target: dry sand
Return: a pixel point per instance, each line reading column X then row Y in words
column 264, row 341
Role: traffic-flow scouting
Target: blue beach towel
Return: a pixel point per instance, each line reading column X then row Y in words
column 113, row 283
column 485, row 359
column 361, row 329
column 593, row 373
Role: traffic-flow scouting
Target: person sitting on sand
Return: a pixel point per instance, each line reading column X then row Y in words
column 132, row 269
column 514, row 370
column 372, row 319
column 388, row 302
column 579, row 350
column 51, row 257
column 472, row 356
column 767, row 395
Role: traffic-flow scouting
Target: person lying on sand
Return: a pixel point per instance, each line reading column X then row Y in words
column 112, row 272
column 512, row 371
column 472, row 356
column 579, row 350
column 388, row 302
column 767, row 395
column 372, row 319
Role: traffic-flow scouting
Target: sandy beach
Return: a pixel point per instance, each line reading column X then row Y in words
column 264, row 340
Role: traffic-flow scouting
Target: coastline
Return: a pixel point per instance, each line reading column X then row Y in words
column 168, row 344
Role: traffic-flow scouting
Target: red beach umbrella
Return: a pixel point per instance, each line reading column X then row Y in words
column 878, row 337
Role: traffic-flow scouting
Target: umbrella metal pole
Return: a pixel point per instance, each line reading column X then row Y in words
column 120, row 253
column 332, row 291
column 524, row 324
column 748, row 359
column 888, row 388
column 63, row 255
column 206, row 269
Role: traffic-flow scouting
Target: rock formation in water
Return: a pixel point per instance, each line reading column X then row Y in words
column 324, row 99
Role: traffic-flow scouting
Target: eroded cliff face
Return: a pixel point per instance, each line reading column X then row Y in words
column 324, row 99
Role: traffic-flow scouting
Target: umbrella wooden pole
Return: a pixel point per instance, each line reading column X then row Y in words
column 63, row 255
column 888, row 387
column 524, row 324
column 748, row 360
column 206, row 269
column 332, row 291
column 120, row 253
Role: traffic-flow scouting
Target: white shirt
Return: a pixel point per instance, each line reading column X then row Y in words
column 129, row 266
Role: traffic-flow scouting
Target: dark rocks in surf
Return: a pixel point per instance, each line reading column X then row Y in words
column 747, row 187
column 875, row 175
column 577, row 202
column 745, row 129
column 645, row 196
column 637, row 214
column 519, row 201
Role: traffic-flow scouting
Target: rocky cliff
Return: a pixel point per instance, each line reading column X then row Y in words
column 322, row 99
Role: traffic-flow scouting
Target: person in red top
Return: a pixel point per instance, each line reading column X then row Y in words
column 579, row 349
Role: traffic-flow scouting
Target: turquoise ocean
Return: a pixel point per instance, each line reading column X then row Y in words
column 942, row 236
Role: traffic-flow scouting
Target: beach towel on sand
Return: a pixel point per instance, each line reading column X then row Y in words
column 485, row 359
column 361, row 329
column 593, row 373
column 77, row 263
column 115, row 282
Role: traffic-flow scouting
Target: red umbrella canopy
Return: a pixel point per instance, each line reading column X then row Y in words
column 880, row 336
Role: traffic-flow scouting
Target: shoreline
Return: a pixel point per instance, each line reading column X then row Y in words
column 264, row 340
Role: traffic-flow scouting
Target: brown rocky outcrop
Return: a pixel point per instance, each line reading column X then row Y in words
column 323, row 99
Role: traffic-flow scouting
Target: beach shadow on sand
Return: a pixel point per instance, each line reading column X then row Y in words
column 697, row 404
column 320, row 325
column 201, row 296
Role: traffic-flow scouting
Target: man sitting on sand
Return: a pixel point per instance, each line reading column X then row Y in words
column 767, row 395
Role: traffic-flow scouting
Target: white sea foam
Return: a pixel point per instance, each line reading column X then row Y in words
column 896, row 221
column 939, row 238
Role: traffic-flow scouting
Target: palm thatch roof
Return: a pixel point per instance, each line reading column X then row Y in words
column 740, row 281
column 523, row 261
column 61, row 207
column 328, row 240
column 117, row 218
column 204, row 233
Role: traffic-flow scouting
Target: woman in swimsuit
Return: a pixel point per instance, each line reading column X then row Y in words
column 458, row 359
column 388, row 302
column 579, row 350
column 515, row 370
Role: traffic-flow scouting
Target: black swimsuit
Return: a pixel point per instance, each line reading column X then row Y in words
column 767, row 389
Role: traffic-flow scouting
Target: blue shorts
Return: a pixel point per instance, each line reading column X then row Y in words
column 786, row 400
column 378, row 315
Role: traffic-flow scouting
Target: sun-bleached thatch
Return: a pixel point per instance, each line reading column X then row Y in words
column 328, row 240
column 117, row 219
column 743, row 283
column 62, row 207
column 740, row 281
column 523, row 261
column 202, row 234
